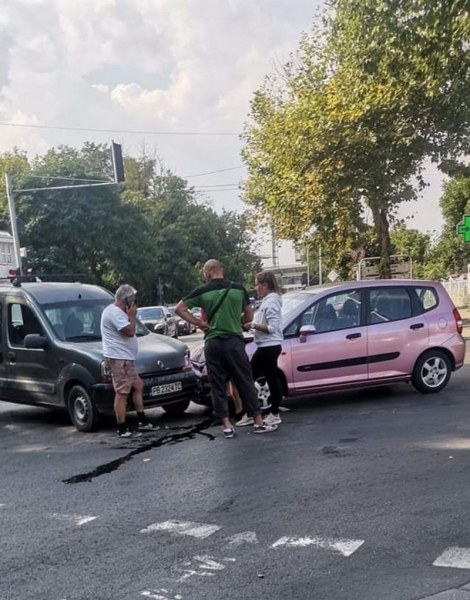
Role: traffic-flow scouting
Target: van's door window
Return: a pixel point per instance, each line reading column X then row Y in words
column 21, row 322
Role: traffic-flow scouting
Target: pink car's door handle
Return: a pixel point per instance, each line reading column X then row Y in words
column 417, row 326
column 353, row 336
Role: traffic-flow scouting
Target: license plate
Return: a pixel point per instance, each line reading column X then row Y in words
column 166, row 388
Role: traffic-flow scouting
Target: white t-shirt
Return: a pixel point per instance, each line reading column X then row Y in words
column 115, row 343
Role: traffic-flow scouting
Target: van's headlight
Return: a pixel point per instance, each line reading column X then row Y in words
column 187, row 359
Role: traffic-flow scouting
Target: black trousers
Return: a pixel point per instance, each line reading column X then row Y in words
column 264, row 363
column 226, row 359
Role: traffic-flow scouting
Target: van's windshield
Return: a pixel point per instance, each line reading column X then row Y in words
column 80, row 320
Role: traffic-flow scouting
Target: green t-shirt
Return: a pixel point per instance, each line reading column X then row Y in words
column 227, row 319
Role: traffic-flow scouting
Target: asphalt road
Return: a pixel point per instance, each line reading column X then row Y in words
column 358, row 496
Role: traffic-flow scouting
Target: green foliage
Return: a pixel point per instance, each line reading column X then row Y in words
column 413, row 244
column 351, row 118
column 451, row 254
column 150, row 228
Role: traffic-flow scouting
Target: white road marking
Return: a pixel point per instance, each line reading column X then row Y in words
column 79, row 519
column 187, row 573
column 344, row 547
column 207, row 562
column 197, row 530
column 247, row 537
column 160, row 595
column 2, row 505
column 11, row 427
column 203, row 566
column 455, row 557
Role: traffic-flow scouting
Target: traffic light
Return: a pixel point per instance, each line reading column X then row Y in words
column 118, row 164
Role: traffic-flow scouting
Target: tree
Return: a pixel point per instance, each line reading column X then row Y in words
column 413, row 244
column 351, row 118
column 185, row 234
column 152, row 227
column 86, row 231
column 451, row 254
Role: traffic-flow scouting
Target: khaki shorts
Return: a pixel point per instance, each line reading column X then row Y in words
column 123, row 374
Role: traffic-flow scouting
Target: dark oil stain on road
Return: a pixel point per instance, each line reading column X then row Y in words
column 188, row 433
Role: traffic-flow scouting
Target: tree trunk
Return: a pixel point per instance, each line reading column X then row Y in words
column 383, row 235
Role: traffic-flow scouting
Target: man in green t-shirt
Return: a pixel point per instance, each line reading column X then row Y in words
column 225, row 305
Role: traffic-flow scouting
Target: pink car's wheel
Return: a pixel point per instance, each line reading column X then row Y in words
column 432, row 372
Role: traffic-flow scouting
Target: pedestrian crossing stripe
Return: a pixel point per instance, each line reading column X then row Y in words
column 343, row 546
column 197, row 530
column 454, row 557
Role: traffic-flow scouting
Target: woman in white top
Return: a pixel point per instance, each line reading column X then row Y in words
column 267, row 326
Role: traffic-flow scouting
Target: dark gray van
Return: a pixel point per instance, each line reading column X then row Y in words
column 51, row 353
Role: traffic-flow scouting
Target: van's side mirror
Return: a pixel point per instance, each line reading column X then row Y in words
column 34, row 341
column 305, row 331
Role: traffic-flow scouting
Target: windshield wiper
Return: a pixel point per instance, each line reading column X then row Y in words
column 84, row 336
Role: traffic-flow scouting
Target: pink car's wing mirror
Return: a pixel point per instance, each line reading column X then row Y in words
column 305, row 331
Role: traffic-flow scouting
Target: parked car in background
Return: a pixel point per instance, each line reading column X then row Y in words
column 182, row 326
column 158, row 319
column 197, row 312
column 50, row 333
column 363, row 333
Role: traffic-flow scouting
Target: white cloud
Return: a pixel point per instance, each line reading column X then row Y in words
column 145, row 65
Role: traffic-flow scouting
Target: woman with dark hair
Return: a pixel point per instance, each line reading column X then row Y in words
column 267, row 326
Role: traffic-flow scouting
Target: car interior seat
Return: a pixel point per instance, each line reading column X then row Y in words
column 326, row 318
column 72, row 326
column 349, row 313
column 382, row 311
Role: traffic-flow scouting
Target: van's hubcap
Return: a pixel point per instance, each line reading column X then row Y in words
column 80, row 408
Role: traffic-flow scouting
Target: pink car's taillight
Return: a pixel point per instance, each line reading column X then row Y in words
column 458, row 320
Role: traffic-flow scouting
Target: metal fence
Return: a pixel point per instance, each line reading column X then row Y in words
column 459, row 292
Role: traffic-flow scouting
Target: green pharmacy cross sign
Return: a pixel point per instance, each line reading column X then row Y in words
column 464, row 228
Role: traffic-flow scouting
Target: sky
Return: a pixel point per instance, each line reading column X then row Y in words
column 172, row 76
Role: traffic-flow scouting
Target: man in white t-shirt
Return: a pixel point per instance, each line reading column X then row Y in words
column 120, row 351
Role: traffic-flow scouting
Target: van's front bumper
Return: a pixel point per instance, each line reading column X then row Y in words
column 159, row 389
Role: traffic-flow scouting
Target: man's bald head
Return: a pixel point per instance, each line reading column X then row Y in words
column 213, row 269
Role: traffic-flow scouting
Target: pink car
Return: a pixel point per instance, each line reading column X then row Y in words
column 364, row 333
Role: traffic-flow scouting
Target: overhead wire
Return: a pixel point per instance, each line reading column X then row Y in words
column 132, row 131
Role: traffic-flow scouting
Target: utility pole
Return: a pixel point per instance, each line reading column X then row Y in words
column 320, row 266
column 275, row 248
column 160, row 291
column 14, row 224
column 308, row 266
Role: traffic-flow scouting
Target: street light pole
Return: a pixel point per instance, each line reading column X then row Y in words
column 14, row 225
column 308, row 269
column 320, row 278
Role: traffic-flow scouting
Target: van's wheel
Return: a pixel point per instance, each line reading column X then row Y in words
column 82, row 409
column 176, row 408
column 432, row 372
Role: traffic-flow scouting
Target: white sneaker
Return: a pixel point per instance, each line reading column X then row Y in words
column 264, row 428
column 272, row 419
column 245, row 420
